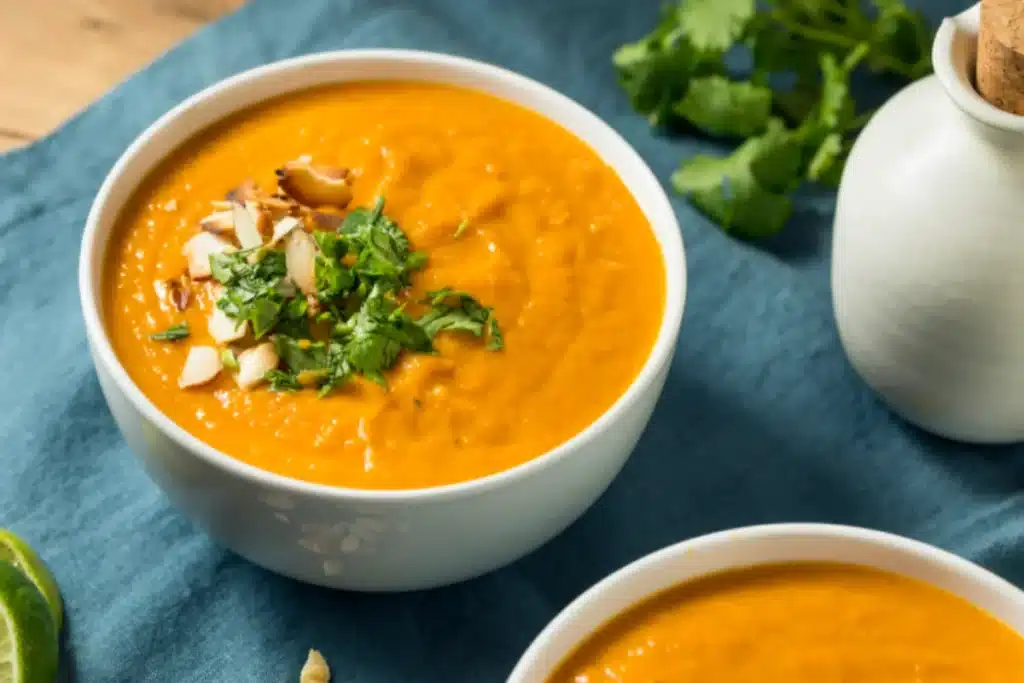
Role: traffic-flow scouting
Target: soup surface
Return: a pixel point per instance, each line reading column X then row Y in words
column 508, row 206
column 800, row 623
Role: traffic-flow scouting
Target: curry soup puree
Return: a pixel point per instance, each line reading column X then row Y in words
column 800, row 623
column 509, row 207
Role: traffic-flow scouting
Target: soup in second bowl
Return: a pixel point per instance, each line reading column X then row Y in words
column 800, row 623
column 478, row 285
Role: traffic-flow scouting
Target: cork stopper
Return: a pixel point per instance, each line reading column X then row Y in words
column 1000, row 69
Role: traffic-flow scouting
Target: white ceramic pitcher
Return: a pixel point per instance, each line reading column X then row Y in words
column 928, row 251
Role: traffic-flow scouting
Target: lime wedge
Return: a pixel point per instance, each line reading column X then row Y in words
column 28, row 634
column 18, row 553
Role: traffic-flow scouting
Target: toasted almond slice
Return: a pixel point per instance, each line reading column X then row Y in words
column 315, row 186
column 300, row 260
column 246, row 192
column 327, row 221
column 179, row 291
column 254, row 363
column 201, row 366
column 283, row 227
column 219, row 223
column 245, row 227
column 198, row 251
column 260, row 216
column 315, row 670
column 224, row 329
column 278, row 205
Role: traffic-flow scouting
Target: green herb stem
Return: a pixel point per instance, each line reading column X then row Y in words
column 845, row 42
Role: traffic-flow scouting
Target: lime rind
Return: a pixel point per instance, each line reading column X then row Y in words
column 16, row 551
column 28, row 633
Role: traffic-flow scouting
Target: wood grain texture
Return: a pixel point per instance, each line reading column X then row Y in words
column 59, row 55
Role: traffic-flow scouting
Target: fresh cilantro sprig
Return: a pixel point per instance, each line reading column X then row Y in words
column 677, row 76
column 356, row 323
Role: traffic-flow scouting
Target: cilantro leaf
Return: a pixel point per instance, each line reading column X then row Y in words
column 252, row 289
column 655, row 70
column 331, row 244
column 294, row 318
column 301, row 354
column 333, row 280
column 496, row 340
column 729, row 190
column 172, row 333
column 718, row 106
column 282, row 380
column 458, row 311
column 374, row 336
column 382, row 249
column 714, row 25
column 416, row 260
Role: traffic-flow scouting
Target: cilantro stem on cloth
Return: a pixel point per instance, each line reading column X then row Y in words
column 172, row 333
column 677, row 76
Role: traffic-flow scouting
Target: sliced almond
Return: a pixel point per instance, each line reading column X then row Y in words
column 179, row 292
column 246, row 192
column 254, row 363
column 219, row 223
column 283, row 227
column 300, row 260
column 328, row 221
column 315, row 186
column 246, row 228
column 198, row 251
column 260, row 216
column 201, row 365
column 315, row 670
column 279, row 205
column 224, row 329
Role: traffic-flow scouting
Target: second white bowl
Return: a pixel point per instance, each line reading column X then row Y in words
column 756, row 545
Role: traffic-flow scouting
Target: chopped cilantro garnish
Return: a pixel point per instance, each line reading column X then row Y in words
column 252, row 290
column 172, row 333
column 496, row 342
column 281, row 380
column 452, row 310
column 355, row 324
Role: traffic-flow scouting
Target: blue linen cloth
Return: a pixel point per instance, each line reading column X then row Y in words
column 762, row 419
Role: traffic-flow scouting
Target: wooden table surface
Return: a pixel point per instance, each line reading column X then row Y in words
column 60, row 55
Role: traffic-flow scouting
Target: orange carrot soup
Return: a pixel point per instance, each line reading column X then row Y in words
column 383, row 285
column 800, row 623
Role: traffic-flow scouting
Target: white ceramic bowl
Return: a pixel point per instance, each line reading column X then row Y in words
column 755, row 545
column 378, row 540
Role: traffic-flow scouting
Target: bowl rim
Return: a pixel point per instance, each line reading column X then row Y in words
column 671, row 249
column 677, row 553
